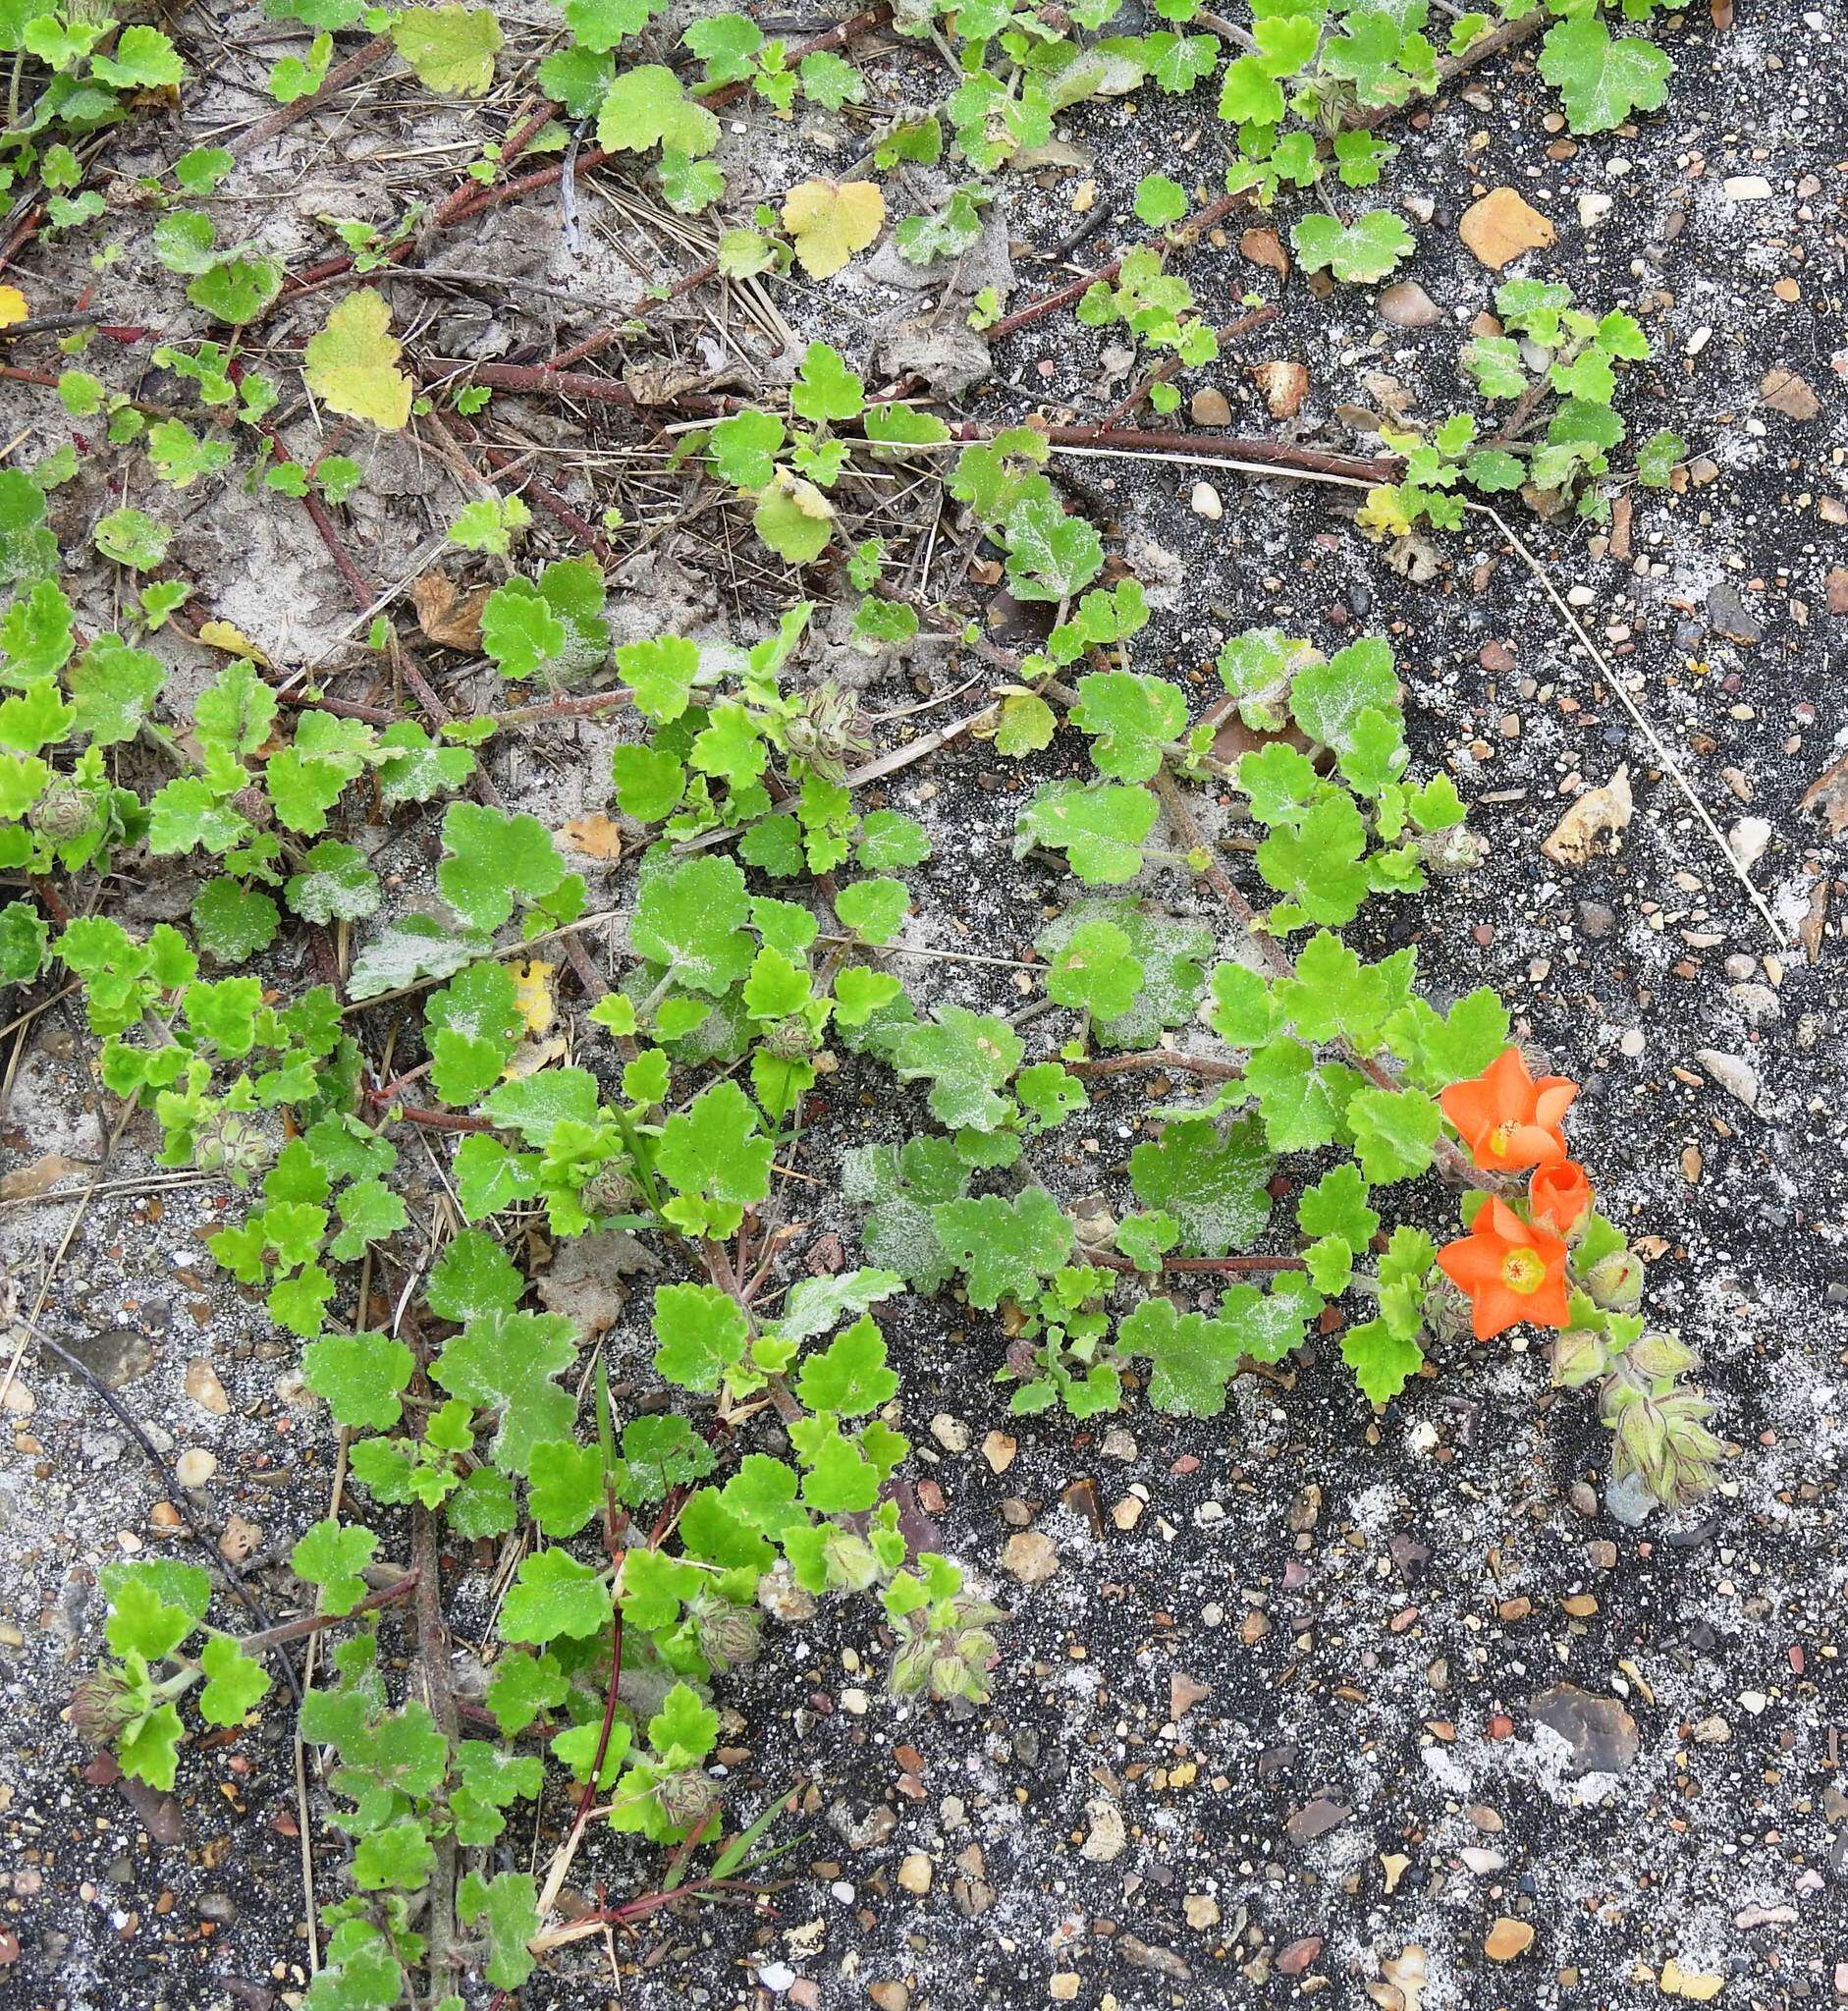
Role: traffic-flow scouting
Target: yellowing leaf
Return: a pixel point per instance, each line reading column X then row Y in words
column 232, row 639
column 451, row 48
column 830, row 221
column 13, row 307
column 532, row 994
column 1383, row 514
column 792, row 517
column 352, row 364
column 531, row 1055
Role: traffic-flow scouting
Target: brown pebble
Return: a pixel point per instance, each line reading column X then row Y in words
column 204, row 1388
column 1408, row 305
column 1508, row 1938
column 1210, row 408
column 1029, row 1556
column 1298, row 1956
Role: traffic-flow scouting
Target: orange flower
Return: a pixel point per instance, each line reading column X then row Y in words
column 1507, row 1120
column 1559, row 1195
column 1512, row 1270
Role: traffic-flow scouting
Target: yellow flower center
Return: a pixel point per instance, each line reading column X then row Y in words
column 1524, row 1270
column 1501, row 1140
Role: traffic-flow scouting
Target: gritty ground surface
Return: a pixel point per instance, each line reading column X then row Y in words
column 1297, row 1692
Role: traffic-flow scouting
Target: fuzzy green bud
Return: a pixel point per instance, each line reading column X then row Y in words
column 1452, row 851
column 231, row 1142
column 790, row 1039
column 1579, row 1357
column 727, row 1633
column 687, row 1797
column 1615, row 1282
column 102, row 1706
column 609, row 1189
column 63, row 812
column 827, row 732
column 1658, row 1355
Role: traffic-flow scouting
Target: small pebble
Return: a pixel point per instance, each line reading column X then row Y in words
column 194, row 1467
column 1508, row 1938
column 1029, row 1556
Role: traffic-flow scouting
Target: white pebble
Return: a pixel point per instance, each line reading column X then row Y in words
column 1206, row 502
column 194, row 1467
column 1748, row 838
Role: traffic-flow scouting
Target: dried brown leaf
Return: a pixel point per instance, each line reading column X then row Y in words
column 1264, row 247
column 1503, row 225
column 26, row 1183
column 597, row 837
column 446, row 616
column 1595, row 814
column 1283, row 384
column 1787, row 393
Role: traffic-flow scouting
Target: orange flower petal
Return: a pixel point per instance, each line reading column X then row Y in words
column 1495, row 1311
column 1559, row 1195
column 1471, row 1106
column 1549, row 1306
column 1470, row 1263
column 1555, row 1095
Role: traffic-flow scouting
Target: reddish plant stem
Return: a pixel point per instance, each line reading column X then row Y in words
column 343, row 708
column 23, row 234
column 1110, row 1259
column 1202, row 1065
column 332, row 85
column 588, row 1799
column 54, row 901
column 564, row 708
column 313, row 1623
column 1281, row 454
column 523, row 136
column 387, row 1091
column 442, row 1121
